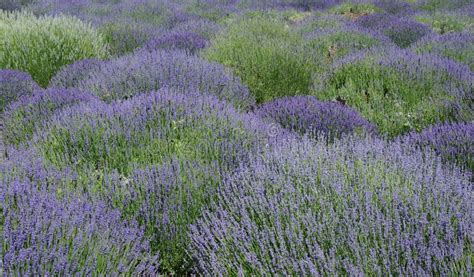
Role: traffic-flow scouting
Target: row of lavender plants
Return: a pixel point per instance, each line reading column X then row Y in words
column 235, row 138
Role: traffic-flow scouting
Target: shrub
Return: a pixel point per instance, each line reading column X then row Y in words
column 321, row 22
column 147, row 71
column 401, row 31
column 447, row 22
column 453, row 141
column 165, row 200
column 355, row 10
column 169, row 150
column 201, row 26
column 147, row 130
column 23, row 116
column 398, row 7
column 47, row 234
column 268, row 57
column 126, row 35
column 307, row 115
column 331, row 44
column 353, row 208
column 433, row 5
column 71, row 75
column 14, row 84
column 455, row 46
column 405, row 32
column 40, row 46
column 398, row 90
column 188, row 41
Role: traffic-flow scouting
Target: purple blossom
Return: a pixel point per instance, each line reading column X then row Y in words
column 44, row 234
column 354, row 207
column 29, row 111
column 454, row 142
column 398, row 90
column 70, row 75
column 14, row 84
column 455, row 46
column 147, row 71
column 307, row 115
column 188, row 41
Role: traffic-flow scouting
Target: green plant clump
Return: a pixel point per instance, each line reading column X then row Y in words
column 42, row 45
column 264, row 52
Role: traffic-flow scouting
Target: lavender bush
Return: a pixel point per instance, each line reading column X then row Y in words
column 398, row 90
column 401, row 30
column 269, row 58
column 147, row 71
column 14, row 84
column 71, row 75
column 45, row 232
column 455, row 46
column 147, row 130
column 165, row 199
column 188, row 41
column 329, row 44
column 353, row 208
column 29, row 111
column 307, row 115
column 454, row 142
column 447, row 22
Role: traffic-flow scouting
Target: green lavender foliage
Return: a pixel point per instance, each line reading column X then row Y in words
column 42, row 45
column 266, row 54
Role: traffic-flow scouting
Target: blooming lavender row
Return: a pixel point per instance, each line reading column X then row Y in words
column 147, row 129
column 23, row 116
column 49, row 231
column 14, row 84
column 307, row 115
column 398, row 90
column 146, row 71
column 188, row 41
column 454, row 142
column 70, row 75
column 354, row 208
column 401, row 30
column 455, row 46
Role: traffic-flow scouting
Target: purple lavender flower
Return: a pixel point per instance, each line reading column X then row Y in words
column 29, row 111
column 47, row 234
column 454, row 142
column 354, row 207
column 398, row 90
column 456, row 46
column 148, row 129
column 307, row 115
column 70, row 75
column 147, row 71
column 402, row 31
column 188, row 41
column 14, row 84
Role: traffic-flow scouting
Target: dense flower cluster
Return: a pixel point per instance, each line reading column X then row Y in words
column 14, row 84
column 330, row 44
column 456, row 46
column 352, row 208
column 454, row 142
column 70, row 75
column 188, row 41
column 146, row 130
column 307, row 115
column 398, row 90
column 30, row 111
column 401, row 30
column 147, row 71
column 47, row 232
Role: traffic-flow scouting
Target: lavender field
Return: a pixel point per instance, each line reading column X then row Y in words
column 236, row 138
